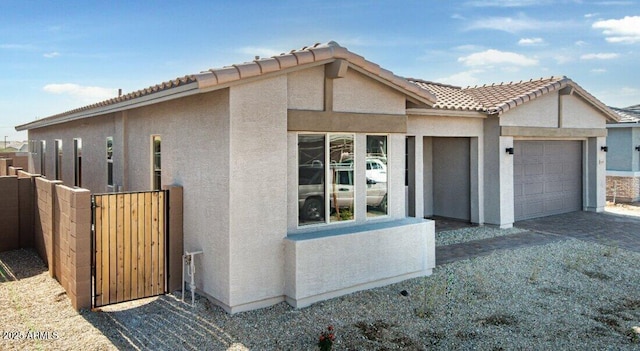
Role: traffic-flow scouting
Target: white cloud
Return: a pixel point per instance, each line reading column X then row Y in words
column 457, row 17
column 51, row 54
column 530, row 41
column 580, row 43
column 519, row 23
column 468, row 47
column 495, row 57
column 83, row 92
column 507, row 3
column 589, row 15
column 462, row 79
column 599, row 56
column 625, row 30
column 16, row 46
column 259, row 51
column 599, row 70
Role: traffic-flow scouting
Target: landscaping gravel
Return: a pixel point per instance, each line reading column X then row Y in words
column 568, row 295
column 472, row 233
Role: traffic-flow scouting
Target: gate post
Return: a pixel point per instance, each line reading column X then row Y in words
column 175, row 242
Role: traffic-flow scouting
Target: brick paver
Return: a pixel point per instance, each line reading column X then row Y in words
column 603, row 228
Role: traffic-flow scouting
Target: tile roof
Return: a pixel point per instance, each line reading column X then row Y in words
column 496, row 99
column 449, row 97
column 218, row 78
column 630, row 114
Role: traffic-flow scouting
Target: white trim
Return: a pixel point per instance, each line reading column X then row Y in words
column 623, row 174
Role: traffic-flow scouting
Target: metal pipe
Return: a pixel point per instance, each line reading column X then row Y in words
column 191, row 272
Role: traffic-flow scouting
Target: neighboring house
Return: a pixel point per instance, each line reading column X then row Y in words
column 312, row 171
column 623, row 157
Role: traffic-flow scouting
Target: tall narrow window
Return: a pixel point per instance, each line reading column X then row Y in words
column 157, row 166
column 58, row 159
column 110, row 161
column 335, row 197
column 43, row 153
column 376, row 175
column 77, row 156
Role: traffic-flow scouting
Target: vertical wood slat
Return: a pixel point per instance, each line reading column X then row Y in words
column 141, row 246
column 154, row 243
column 120, row 240
column 161, row 244
column 148, row 245
column 104, row 291
column 134, row 245
column 98, row 250
column 113, row 250
column 127, row 247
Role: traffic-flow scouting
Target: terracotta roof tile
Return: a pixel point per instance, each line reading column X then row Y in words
column 220, row 77
column 449, row 97
column 499, row 98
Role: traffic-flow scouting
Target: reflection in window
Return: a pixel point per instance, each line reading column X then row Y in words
column 341, row 190
column 110, row 161
column 77, row 156
column 315, row 197
column 376, row 175
column 157, row 166
column 58, row 159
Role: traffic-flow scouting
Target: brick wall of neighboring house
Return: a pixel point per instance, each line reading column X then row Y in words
column 5, row 163
column 12, row 159
column 623, row 189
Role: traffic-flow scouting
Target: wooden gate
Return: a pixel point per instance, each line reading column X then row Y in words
column 129, row 246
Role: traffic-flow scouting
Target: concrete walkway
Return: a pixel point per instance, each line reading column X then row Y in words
column 602, row 228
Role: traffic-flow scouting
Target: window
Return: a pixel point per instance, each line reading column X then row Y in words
column 58, row 159
column 77, row 166
column 315, row 197
column 156, row 144
column 109, row 161
column 376, row 175
column 43, row 152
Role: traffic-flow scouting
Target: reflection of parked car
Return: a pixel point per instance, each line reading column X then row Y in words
column 311, row 191
column 376, row 169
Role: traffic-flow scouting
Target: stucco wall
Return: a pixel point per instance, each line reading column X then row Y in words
column 322, row 265
column 541, row 112
column 257, row 207
column 358, row 93
column 621, row 152
column 195, row 155
column 444, row 126
column 93, row 132
column 305, row 89
column 576, row 113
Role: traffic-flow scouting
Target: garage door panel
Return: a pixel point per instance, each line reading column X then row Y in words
column 552, row 178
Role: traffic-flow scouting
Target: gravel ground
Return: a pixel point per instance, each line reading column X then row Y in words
column 568, row 295
column 450, row 237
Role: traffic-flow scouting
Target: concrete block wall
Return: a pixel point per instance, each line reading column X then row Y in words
column 623, row 189
column 9, row 214
column 13, row 171
column 5, row 163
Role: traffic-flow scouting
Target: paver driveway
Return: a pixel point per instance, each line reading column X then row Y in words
column 603, row 228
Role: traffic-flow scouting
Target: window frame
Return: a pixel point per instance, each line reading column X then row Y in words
column 156, row 162
column 328, row 175
column 369, row 217
column 58, row 159
column 109, row 158
column 77, row 162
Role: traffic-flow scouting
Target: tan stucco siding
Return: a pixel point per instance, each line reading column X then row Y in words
column 358, row 93
column 305, row 89
column 541, row 112
column 195, row 155
column 258, row 207
column 576, row 113
column 93, row 132
column 444, row 126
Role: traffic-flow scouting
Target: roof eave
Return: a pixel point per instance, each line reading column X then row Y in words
column 164, row 95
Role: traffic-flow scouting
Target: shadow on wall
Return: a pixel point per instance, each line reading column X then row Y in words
column 163, row 323
column 15, row 265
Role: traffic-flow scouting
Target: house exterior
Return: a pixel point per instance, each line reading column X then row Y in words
column 500, row 153
column 258, row 128
column 313, row 171
column 623, row 156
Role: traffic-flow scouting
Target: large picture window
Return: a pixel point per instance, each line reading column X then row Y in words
column 376, row 175
column 327, row 157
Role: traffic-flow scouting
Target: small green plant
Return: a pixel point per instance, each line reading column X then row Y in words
column 346, row 214
column 327, row 337
column 434, row 293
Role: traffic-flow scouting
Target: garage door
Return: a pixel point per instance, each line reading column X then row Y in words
column 547, row 178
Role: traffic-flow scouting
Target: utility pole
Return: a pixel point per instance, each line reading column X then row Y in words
column 5, row 141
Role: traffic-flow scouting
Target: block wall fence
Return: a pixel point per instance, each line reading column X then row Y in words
column 55, row 220
column 623, row 189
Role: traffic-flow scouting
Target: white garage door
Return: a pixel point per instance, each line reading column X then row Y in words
column 547, row 178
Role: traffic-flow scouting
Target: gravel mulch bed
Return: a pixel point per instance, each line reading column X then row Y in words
column 569, row 295
column 472, row 233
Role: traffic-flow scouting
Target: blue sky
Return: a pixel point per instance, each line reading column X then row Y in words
column 60, row 55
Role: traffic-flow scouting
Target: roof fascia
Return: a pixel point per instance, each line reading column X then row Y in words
column 161, row 96
column 436, row 112
column 588, row 98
